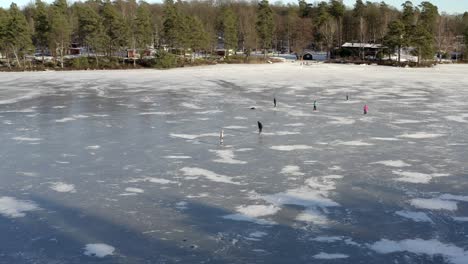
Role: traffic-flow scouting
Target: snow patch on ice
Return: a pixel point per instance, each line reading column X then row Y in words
column 13, row 208
column 433, row 247
column 354, row 143
column 191, row 106
column 434, row 204
column 63, row 187
column 292, row 170
column 420, row 135
column 393, row 163
column 26, row 139
column 193, row 171
column 323, row 255
column 188, row 136
column 134, row 190
column 291, row 147
column 341, row 121
column 227, row 156
column 99, row 250
column 415, row 216
column 152, row 180
column 93, row 147
column 416, row 177
column 251, row 213
column 177, row 157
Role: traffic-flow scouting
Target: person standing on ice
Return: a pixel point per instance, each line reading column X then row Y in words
column 260, row 127
column 315, row 105
column 366, row 109
column 274, row 101
column 221, row 137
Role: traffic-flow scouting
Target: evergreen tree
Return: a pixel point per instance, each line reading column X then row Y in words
column 42, row 27
column 171, row 18
column 143, row 27
column 60, row 33
column 114, row 27
column 337, row 10
column 90, row 30
column 229, row 27
column 199, row 39
column 16, row 34
column 394, row 39
column 265, row 25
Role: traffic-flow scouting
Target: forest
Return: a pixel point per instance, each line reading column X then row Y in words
column 169, row 34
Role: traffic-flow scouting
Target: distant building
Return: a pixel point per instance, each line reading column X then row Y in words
column 368, row 50
column 314, row 55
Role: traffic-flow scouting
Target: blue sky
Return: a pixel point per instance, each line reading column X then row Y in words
column 450, row 6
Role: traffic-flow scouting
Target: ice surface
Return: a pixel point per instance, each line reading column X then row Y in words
column 141, row 151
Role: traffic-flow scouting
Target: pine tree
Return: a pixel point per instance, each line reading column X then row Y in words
column 60, row 33
column 265, row 25
column 337, row 10
column 171, row 18
column 16, row 34
column 229, row 27
column 395, row 37
column 90, row 30
column 143, row 27
column 114, row 27
column 42, row 27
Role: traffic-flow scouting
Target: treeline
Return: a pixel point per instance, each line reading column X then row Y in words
column 199, row 27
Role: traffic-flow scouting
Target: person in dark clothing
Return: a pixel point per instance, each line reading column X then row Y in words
column 347, row 97
column 315, row 105
column 260, row 127
column 274, row 101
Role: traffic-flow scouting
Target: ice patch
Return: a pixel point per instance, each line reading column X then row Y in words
column 98, row 250
column 187, row 136
column 385, row 139
column 355, row 143
column 192, row 171
column 258, row 234
column 420, row 135
column 327, row 239
column 393, row 163
column 63, row 187
column 454, row 197
column 72, row 118
column 28, row 174
column 13, row 208
column 323, row 255
column 235, row 127
column 182, row 205
column 280, row 133
column 341, row 121
column 290, row 147
column 26, row 139
column 416, row 177
column 415, row 216
column 93, row 147
column 208, row 112
column 177, row 157
column 191, row 106
column 431, row 247
column 152, row 180
column 292, row 170
column 251, row 213
column 303, row 196
column 458, row 118
column 405, row 121
column 295, row 125
column 227, row 156
column 434, row 204
column 460, row 219
column 134, row 190
column 156, row 113
column 312, row 216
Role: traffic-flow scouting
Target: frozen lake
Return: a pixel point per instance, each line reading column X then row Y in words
column 126, row 166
